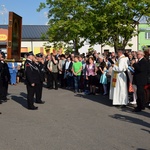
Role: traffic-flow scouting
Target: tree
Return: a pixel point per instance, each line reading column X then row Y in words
column 116, row 21
column 102, row 22
column 65, row 21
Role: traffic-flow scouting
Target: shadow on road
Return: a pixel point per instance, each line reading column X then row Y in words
column 146, row 130
column 20, row 99
column 131, row 120
column 142, row 113
column 104, row 100
column 97, row 98
column 23, row 94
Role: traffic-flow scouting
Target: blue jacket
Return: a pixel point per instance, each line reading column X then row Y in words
column 10, row 66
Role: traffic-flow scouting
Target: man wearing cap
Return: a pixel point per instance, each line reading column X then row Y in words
column 40, row 65
column 1, row 81
column 5, row 78
column 32, row 78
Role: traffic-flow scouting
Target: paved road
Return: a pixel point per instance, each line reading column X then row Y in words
column 71, row 122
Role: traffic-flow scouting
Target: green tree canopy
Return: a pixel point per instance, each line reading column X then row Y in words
column 111, row 22
column 115, row 21
column 66, row 21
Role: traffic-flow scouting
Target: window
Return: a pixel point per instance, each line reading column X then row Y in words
column 147, row 35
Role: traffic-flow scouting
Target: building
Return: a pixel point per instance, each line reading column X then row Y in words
column 32, row 40
column 144, row 36
column 131, row 46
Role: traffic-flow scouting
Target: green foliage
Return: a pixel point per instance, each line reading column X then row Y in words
column 90, row 49
column 68, row 50
column 116, row 21
column 65, row 21
column 110, row 22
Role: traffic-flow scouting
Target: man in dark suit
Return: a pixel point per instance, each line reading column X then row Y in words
column 1, row 80
column 39, row 86
column 140, row 79
column 1, row 66
column 5, row 78
column 32, row 79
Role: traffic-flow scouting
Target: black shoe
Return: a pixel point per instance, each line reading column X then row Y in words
column 117, row 106
column 1, row 102
column 56, row 88
column 41, row 102
column 123, row 106
column 6, row 98
column 137, row 110
column 90, row 93
column 33, row 108
column 0, row 113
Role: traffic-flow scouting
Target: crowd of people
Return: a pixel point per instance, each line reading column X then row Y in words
column 123, row 76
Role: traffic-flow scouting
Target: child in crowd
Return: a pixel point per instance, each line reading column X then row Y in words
column 103, row 78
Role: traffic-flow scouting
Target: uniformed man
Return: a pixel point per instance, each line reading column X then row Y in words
column 32, row 79
column 39, row 86
column 5, row 78
column 1, row 80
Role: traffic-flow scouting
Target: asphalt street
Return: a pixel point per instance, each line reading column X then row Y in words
column 69, row 121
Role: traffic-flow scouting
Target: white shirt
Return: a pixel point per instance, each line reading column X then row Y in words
column 67, row 65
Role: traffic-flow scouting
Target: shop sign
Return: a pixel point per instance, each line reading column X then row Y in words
column 3, row 37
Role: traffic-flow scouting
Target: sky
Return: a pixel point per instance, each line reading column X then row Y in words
column 24, row 8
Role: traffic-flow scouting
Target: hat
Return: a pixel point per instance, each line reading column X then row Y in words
column 30, row 53
column 39, row 55
column 3, row 54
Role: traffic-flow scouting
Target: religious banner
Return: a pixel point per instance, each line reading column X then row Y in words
column 14, row 36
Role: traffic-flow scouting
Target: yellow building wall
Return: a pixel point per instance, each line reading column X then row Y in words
column 36, row 50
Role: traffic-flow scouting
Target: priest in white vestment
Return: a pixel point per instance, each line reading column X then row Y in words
column 118, row 86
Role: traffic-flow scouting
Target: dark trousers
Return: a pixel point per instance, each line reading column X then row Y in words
column 30, row 96
column 49, row 80
column 5, row 91
column 61, row 80
column 1, row 90
column 38, row 92
column 55, row 79
column 82, row 82
column 76, row 83
column 69, row 81
column 140, row 97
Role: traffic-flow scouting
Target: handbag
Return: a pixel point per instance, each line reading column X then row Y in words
column 131, row 90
